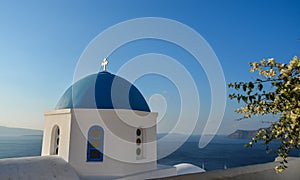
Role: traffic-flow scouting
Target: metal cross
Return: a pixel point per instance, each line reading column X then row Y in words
column 104, row 64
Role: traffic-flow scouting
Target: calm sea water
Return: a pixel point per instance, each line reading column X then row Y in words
column 20, row 146
column 219, row 153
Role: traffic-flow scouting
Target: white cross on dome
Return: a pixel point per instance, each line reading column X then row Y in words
column 104, row 64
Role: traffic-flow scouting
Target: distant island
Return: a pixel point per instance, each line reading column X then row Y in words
column 243, row 134
column 9, row 131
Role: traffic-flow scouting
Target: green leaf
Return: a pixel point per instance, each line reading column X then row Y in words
column 245, row 99
column 259, row 86
column 239, row 99
column 244, row 87
column 272, row 97
column 251, row 85
column 251, row 98
column 268, row 96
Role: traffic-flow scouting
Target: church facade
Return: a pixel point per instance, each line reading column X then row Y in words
column 103, row 127
column 92, row 144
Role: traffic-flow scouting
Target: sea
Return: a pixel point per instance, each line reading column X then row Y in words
column 220, row 153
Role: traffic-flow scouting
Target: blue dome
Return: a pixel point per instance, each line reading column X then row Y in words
column 103, row 91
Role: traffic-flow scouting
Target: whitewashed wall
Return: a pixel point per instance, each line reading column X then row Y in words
column 61, row 118
column 119, row 140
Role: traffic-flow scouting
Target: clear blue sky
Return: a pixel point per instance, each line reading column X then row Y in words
column 41, row 41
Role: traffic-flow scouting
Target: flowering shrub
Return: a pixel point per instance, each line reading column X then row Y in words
column 282, row 98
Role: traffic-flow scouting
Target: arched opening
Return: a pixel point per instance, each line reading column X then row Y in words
column 55, row 140
column 95, row 144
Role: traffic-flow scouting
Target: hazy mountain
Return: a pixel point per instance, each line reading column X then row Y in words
column 243, row 134
column 8, row 131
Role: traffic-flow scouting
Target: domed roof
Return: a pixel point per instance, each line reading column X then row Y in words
column 103, row 91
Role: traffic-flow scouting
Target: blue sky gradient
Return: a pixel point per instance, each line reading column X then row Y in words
column 41, row 42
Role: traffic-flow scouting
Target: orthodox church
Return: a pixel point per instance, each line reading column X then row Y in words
column 101, row 128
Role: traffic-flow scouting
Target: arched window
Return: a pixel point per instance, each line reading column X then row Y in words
column 95, row 144
column 55, row 140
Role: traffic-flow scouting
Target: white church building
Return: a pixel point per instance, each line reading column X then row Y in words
column 101, row 128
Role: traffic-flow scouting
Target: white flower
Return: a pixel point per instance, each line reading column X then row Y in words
column 271, row 61
column 263, row 62
column 255, row 65
column 272, row 73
